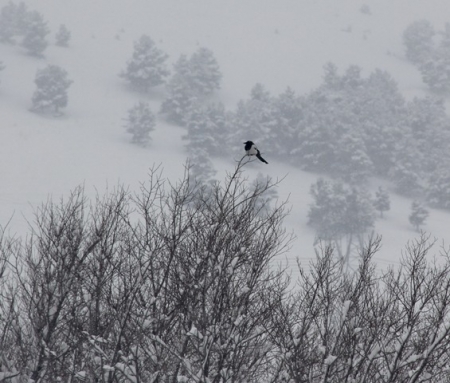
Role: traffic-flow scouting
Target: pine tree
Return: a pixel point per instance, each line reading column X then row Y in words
column 179, row 101
column 199, row 132
column 207, row 128
column 331, row 78
column 204, row 72
column 193, row 80
column 254, row 119
column 406, row 172
column 382, row 201
column 338, row 210
column 147, row 67
column 429, row 127
column 140, row 122
column 436, row 70
column 351, row 161
column 286, row 114
column 52, row 83
column 438, row 191
column 13, row 20
column 381, row 110
column 36, row 31
column 317, row 132
column 62, row 36
column 418, row 40
column 418, row 215
column 221, row 127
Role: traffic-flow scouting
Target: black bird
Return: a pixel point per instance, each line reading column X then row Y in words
column 252, row 150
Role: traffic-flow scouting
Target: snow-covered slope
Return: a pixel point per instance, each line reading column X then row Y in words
column 278, row 43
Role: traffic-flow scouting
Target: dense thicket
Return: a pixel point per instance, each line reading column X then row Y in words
column 179, row 284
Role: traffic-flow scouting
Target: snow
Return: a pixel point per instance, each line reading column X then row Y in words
column 279, row 44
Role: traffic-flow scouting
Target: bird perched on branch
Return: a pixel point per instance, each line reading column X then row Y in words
column 252, row 150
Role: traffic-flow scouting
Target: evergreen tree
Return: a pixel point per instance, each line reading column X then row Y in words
column 254, row 118
column 436, row 70
column 207, row 128
column 147, row 67
column 318, row 130
column 178, row 102
column 13, row 20
column 220, row 121
column 204, row 72
column 382, row 201
column 52, row 83
column 62, row 36
column 331, row 78
column 427, row 131
column 140, row 122
column 193, row 80
column 351, row 161
column 381, row 112
column 286, row 114
column 180, row 95
column 418, row 215
column 438, row 191
column 406, row 172
column 338, row 210
column 36, row 31
column 200, row 132
column 418, row 40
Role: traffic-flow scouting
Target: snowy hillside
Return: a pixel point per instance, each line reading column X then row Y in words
column 278, row 44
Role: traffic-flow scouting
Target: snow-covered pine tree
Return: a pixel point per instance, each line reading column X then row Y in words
column 147, row 67
column 428, row 127
column 438, row 190
column 316, row 133
column 339, row 210
column 180, row 95
column 178, row 102
column 406, row 173
column 436, row 70
column 382, row 201
column 12, row 21
column 418, row 41
column 351, row 162
column 221, row 127
column 36, row 31
column 285, row 114
column 204, row 72
column 341, row 216
column 418, row 215
column 51, row 94
column 207, row 128
column 62, row 36
column 140, row 122
column 381, row 109
column 200, row 132
column 254, row 120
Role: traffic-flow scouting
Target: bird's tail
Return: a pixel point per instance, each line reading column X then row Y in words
column 262, row 159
